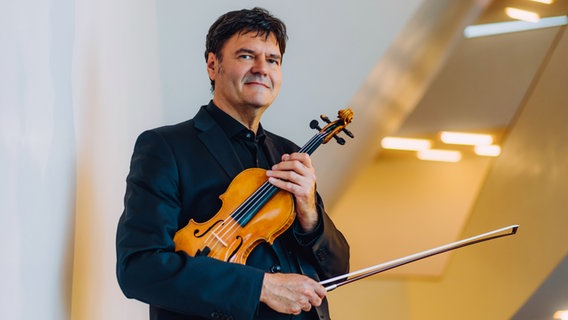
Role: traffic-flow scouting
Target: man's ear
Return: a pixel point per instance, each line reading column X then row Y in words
column 211, row 65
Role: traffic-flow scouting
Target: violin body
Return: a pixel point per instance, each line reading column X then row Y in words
column 223, row 237
column 253, row 210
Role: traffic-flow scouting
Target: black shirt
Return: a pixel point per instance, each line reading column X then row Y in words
column 247, row 145
column 251, row 151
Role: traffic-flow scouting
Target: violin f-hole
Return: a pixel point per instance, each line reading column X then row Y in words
column 240, row 240
column 253, row 210
column 196, row 231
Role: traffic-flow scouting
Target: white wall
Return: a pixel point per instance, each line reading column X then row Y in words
column 116, row 95
column 79, row 79
column 37, row 159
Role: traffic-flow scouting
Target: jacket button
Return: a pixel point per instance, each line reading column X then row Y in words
column 322, row 254
column 275, row 268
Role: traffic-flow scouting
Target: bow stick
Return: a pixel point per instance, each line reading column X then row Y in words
column 331, row 284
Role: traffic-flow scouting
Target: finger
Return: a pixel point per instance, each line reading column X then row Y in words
column 283, row 184
column 295, row 160
column 314, row 301
column 320, row 291
column 304, row 158
column 296, row 173
column 301, row 306
column 291, row 181
column 283, row 173
column 291, row 166
column 296, row 311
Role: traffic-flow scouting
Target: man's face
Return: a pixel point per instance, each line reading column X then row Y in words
column 248, row 75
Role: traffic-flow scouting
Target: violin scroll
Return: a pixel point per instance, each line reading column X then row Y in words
column 345, row 117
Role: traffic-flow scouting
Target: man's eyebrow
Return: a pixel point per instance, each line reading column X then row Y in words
column 244, row 50
column 275, row 56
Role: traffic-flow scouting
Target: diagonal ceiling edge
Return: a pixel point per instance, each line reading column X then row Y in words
column 397, row 83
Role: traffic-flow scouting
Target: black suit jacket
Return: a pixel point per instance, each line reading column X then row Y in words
column 177, row 173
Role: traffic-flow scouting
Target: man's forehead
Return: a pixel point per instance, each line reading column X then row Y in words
column 263, row 36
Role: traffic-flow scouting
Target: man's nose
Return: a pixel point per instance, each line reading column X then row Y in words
column 260, row 66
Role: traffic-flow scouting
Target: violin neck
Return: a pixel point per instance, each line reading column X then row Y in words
column 262, row 195
column 312, row 144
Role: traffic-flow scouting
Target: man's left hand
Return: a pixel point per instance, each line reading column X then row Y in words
column 296, row 175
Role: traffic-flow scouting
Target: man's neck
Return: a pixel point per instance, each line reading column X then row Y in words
column 248, row 116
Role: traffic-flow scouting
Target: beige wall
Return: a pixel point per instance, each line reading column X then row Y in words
column 527, row 185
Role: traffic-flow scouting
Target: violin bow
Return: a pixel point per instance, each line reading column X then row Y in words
column 333, row 283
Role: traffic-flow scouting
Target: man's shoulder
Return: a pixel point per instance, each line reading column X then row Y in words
column 177, row 127
column 179, row 133
column 198, row 122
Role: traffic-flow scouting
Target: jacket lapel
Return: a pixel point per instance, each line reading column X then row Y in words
column 215, row 140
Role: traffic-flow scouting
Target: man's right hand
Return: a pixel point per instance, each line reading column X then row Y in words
column 291, row 293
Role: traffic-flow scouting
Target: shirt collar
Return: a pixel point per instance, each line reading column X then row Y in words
column 231, row 126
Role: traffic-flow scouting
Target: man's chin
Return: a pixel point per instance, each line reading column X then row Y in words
column 261, row 103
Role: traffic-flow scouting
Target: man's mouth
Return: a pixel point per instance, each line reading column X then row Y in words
column 257, row 83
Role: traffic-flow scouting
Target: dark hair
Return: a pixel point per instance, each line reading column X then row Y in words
column 243, row 21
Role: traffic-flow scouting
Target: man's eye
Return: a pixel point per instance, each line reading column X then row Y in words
column 245, row 56
column 274, row 61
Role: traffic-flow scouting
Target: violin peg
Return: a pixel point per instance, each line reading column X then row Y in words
column 349, row 133
column 315, row 125
column 339, row 140
column 325, row 118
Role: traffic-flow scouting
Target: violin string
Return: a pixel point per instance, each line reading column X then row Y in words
column 258, row 197
column 261, row 194
column 227, row 229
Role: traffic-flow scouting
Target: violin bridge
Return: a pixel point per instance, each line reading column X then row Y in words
column 219, row 239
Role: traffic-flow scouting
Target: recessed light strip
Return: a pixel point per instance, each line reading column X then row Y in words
column 410, row 144
column 488, row 151
column 470, row 139
column 491, row 29
column 524, row 15
column 561, row 314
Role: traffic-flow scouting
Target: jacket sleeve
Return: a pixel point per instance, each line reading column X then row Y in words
column 326, row 245
column 325, row 249
column 149, row 269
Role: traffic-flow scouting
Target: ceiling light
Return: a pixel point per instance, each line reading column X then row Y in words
column 561, row 314
column 472, row 139
column 488, row 151
column 544, row 1
column 405, row 143
column 491, row 29
column 439, row 155
column 524, row 15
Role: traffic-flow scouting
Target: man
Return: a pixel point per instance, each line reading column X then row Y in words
column 178, row 172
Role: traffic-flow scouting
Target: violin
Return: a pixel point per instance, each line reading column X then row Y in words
column 253, row 210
